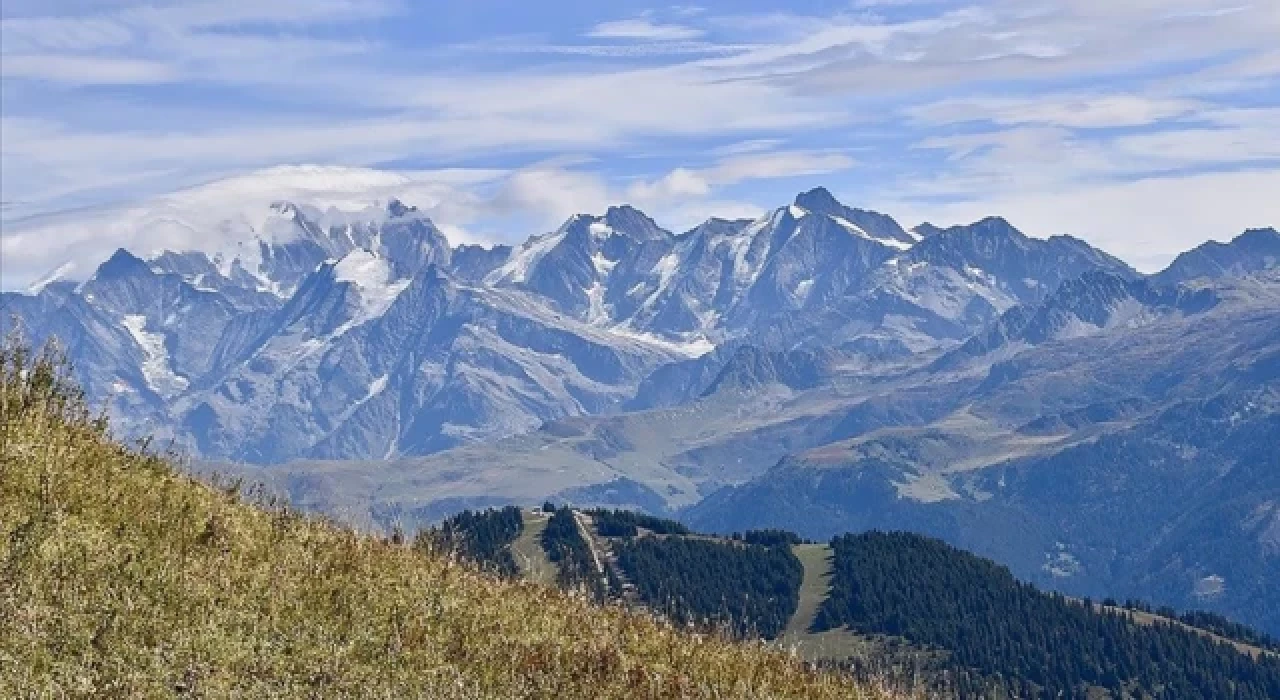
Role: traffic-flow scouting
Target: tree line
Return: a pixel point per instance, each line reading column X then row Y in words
column 627, row 523
column 1208, row 621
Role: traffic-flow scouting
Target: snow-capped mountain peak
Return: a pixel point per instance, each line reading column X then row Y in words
column 861, row 222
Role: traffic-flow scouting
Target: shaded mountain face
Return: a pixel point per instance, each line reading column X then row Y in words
column 1252, row 251
column 327, row 335
column 1092, row 303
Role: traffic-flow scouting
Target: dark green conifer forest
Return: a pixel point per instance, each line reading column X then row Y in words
column 1040, row 644
column 482, row 537
column 566, row 547
column 750, row 589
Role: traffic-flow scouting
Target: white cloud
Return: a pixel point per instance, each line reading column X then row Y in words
column 1003, row 40
column 609, row 50
column 37, row 34
column 86, row 70
column 219, row 214
column 643, row 30
column 687, row 182
column 433, row 117
column 143, row 43
column 552, row 194
column 757, row 166
column 1075, row 111
column 1023, row 158
column 681, row 182
column 470, row 205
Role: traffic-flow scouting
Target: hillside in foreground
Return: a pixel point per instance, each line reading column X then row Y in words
column 121, row 577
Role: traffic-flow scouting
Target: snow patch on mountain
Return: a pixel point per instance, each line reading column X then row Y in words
column 373, row 280
column 376, row 387
column 861, row 233
column 603, row 265
column 746, row 272
column 597, row 314
column 696, row 344
column 525, row 258
column 363, row 269
column 156, row 368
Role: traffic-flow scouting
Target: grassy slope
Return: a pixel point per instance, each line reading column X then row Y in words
column 529, row 554
column 837, row 644
column 831, row 644
column 816, row 559
column 120, row 577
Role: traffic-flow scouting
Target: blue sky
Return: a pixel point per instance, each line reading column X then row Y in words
column 1143, row 126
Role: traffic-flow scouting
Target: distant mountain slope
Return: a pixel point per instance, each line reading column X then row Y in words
column 1177, row 506
column 1095, row 302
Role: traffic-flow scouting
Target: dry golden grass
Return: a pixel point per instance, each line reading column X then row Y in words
column 121, row 577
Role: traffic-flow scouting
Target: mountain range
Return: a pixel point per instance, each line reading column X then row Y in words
column 368, row 336
column 820, row 368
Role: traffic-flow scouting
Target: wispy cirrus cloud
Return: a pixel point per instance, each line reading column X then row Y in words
column 86, row 70
column 643, row 29
column 1077, row 111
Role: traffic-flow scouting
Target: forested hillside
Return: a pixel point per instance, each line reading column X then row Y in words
column 749, row 588
column 628, row 523
column 566, row 547
column 482, row 537
column 1042, row 644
